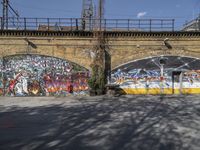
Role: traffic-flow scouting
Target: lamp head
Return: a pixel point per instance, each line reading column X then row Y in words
column 163, row 60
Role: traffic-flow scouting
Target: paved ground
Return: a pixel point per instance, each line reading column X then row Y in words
column 100, row 123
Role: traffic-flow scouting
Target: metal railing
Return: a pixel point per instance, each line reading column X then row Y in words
column 77, row 24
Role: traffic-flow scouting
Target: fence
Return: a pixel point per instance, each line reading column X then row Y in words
column 77, row 24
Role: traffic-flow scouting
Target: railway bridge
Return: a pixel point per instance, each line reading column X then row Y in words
column 47, row 61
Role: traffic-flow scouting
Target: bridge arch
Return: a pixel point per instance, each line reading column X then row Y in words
column 153, row 57
column 134, row 55
column 40, row 75
column 181, row 74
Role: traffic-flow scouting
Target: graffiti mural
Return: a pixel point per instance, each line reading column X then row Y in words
column 180, row 75
column 34, row 75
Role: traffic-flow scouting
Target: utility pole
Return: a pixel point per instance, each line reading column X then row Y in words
column 101, row 13
column 5, row 14
column 5, row 19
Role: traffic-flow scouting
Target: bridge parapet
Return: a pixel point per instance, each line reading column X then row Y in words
column 76, row 46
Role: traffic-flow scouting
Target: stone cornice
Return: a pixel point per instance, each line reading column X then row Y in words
column 108, row 34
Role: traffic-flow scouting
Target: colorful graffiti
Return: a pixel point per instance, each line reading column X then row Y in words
column 181, row 75
column 34, row 75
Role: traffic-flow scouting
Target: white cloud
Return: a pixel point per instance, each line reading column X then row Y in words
column 141, row 14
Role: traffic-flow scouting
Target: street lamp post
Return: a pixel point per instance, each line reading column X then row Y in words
column 162, row 62
column 162, row 77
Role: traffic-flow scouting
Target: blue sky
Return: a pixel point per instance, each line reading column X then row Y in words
column 180, row 10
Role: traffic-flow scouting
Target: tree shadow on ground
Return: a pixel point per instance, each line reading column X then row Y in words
column 124, row 123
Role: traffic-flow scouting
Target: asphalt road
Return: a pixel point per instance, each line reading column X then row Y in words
column 100, row 123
